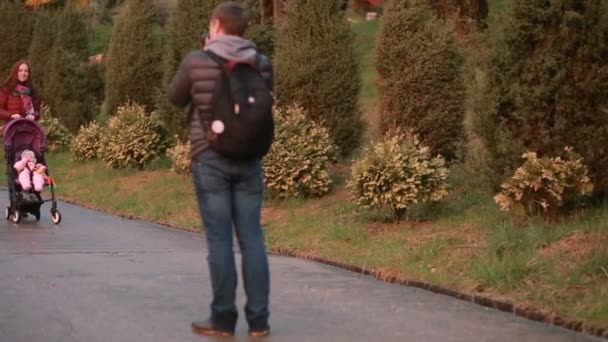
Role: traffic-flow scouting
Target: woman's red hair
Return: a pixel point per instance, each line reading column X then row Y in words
column 13, row 78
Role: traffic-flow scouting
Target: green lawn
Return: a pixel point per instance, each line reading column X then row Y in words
column 365, row 33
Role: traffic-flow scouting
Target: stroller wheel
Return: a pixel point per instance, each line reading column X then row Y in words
column 16, row 216
column 7, row 213
column 56, row 217
column 37, row 215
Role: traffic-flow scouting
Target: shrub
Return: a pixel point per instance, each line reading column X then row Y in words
column 316, row 66
column 180, row 157
column 296, row 164
column 87, row 143
column 398, row 172
column 420, row 80
column 133, row 69
column 132, row 138
column 545, row 86
column 546, row 185
column 58, row 137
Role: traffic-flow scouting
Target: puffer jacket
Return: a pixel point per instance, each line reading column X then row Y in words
column 197, row 78
column 11, row 104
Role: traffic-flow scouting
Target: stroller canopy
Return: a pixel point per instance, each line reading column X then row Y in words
column 23, row 132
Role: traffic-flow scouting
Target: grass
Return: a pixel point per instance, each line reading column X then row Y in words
column 100, row 38
column 365, row 38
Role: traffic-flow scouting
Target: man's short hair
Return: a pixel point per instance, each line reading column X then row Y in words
column 232, row 17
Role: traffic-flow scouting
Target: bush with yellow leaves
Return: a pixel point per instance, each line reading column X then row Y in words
column 180, row 157
column 58, row 137
column 132, row 138
column 398, row 172
column 86, row 144
column 546, row 185
column 297, row 162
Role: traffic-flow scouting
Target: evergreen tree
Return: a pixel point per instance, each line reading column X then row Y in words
column 189, row 21
column 15, row 35
column 133, row 60
column 419, row 77
column 546, row 86
column 264, row 38
column 40, row 48
column 66, row 83
column 316, row 66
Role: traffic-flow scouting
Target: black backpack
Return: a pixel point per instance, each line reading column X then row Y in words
column 242, row 127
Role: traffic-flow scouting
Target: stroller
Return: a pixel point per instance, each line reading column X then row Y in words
column 19, row 135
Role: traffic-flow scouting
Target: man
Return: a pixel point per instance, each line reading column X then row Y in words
column 229, row 192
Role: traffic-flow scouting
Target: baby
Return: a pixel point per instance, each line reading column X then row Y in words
column 28, row 169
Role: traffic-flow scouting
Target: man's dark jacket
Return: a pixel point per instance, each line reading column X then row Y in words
column 197, row 79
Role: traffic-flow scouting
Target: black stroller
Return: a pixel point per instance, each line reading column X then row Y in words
column 20, row 135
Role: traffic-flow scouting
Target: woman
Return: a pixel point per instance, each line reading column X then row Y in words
column 18, row 99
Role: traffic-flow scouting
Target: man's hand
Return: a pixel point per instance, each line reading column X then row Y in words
column 30, row 117
column 15, row 116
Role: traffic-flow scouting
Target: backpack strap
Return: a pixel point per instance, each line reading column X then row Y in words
column 224, row 80
column 230, row 65
column 219, row 60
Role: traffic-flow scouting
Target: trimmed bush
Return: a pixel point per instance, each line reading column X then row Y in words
column 545, row 86
column 58, row 136
column 133, row 138
column 316, row 66
column 546, row 185
column 398, row 172
column 133, row 70
column 87, row 143
column 420, row 82
column 180, row 157
column 15, row 35
column 297, row 162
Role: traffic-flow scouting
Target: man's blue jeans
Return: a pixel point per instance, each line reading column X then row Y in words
column 229, row 194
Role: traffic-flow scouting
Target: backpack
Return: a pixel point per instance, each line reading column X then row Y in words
column 242, row 127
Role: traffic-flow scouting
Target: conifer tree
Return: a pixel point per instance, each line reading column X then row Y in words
column 420, row 80
column 546, row 85
column 15, row 35
column 133, row 68
column 316, row 66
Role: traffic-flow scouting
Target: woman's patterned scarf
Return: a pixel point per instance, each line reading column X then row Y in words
column 26, row 100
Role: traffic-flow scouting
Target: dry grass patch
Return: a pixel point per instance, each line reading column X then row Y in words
column 576, row 249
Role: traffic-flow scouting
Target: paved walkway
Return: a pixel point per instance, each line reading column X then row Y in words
column 100, row 278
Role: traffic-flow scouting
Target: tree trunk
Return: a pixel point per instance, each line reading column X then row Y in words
column 279, row 9
column 463, row 11
column 267, row 8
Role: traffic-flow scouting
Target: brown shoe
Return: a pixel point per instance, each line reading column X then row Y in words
column 206, row 328
column 259, row 333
